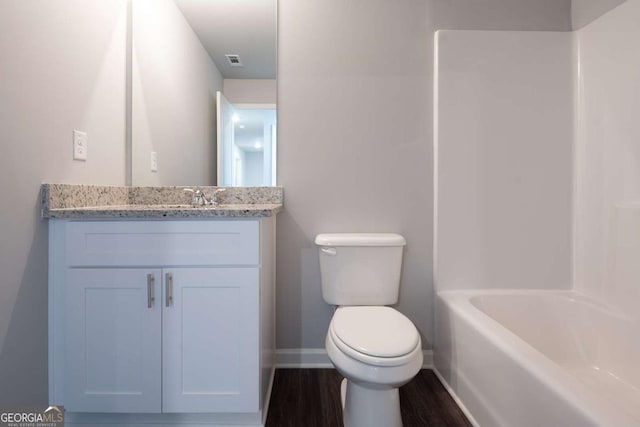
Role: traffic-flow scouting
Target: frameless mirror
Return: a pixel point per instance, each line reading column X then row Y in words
column 203, row 92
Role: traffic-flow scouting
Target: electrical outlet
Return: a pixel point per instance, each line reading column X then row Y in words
column 154, row 161
column 79, row 145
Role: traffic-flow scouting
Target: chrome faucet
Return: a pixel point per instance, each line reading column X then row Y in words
column 197, row 198
column 200, row 199
column 214, row 196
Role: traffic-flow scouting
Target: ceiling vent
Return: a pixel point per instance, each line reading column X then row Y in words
column 234, row 60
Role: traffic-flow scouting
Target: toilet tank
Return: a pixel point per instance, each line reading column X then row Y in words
column 360, row 268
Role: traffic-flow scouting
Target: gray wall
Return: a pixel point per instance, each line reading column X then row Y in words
column 355, row 136
column 586, row 11
column 63, row 68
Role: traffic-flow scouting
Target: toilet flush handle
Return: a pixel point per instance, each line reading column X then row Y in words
column 329, row 251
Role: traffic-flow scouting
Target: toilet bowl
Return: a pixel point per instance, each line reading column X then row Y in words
column 375, row 347
column 377, row 350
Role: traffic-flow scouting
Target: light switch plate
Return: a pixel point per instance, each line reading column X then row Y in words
column 79, row 145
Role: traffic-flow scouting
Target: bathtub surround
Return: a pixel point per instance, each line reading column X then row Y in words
column 581, row 233
column 504, row 147
column 607, row 240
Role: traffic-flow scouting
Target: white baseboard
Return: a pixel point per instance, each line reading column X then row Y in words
column 317, row 358
column 302, row 358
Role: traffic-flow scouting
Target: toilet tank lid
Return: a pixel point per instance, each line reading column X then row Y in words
column 360, row 239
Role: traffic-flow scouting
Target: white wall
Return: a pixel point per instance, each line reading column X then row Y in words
column 608, row 158
column 63, row 68
column 355, row 137
column 250, row 91
column 504, row 155
column 586, row 11
column 174, row 98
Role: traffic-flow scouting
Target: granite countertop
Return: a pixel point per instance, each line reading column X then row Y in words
column 104, row 202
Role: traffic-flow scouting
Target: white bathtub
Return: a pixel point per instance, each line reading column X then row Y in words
column 538, row 358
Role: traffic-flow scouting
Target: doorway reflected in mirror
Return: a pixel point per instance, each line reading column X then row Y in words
column 247, row 144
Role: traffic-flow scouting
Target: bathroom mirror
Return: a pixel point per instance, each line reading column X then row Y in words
column 203, row 92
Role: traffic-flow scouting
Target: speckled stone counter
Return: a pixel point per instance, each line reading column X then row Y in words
column 89, row 201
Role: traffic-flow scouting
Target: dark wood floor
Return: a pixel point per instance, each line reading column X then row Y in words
column 311, row 398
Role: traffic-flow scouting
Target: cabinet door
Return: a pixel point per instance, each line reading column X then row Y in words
column 112, row 340
column 210, row 340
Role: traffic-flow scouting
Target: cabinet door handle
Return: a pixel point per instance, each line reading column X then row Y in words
column 169, row 290
column 151, row 281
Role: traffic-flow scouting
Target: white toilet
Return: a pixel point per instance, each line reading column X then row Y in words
column 376, row 348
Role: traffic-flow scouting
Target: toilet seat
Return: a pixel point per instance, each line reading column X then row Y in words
column 376, row 335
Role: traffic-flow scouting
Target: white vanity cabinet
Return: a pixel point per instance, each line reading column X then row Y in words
column 163, row 322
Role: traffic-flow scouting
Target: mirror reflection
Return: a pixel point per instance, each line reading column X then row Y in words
column 203, row 88
column 246, row 144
